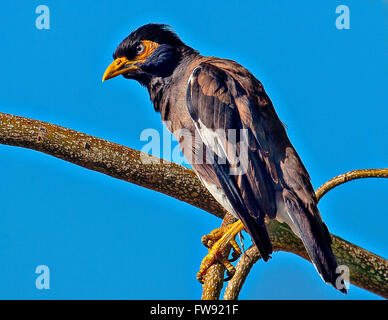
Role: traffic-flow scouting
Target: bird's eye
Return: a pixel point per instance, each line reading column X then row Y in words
column 140, row 48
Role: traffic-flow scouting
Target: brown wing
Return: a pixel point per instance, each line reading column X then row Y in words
column 234, row 150
column 223, row 96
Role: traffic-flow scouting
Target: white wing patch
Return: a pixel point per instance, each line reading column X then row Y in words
column 282, row 214
column 212, row 138
column 220, row 196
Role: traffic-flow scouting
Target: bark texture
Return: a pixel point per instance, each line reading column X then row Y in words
column 367, row 270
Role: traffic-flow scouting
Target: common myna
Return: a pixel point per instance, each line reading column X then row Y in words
column 230, row 133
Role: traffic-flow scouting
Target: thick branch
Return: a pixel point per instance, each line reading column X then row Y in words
column 367, row 270
column 363, row 274
column 171, row 179
column 109, row 158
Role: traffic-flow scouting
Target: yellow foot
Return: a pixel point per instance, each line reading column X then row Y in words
column 216, row 241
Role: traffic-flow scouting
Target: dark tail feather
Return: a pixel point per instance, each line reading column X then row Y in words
column 259, row 235
column 317, row 241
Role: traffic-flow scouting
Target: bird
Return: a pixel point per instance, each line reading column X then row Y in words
column 231, row 135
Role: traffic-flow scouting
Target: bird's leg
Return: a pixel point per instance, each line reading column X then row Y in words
column 216, row 241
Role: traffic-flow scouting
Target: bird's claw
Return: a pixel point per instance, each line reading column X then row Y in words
column 235, row 255
column 229, row 275
column 217, row 241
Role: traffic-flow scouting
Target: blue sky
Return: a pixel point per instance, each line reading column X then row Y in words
column 107, row 239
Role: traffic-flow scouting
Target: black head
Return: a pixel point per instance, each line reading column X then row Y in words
column 152, row 50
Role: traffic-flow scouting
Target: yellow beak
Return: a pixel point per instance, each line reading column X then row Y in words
column 119, row 66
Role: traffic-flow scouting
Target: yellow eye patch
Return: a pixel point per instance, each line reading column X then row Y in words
column 150, row 47
column 122, row 65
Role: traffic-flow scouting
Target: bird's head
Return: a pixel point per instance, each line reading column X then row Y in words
column 153, row 50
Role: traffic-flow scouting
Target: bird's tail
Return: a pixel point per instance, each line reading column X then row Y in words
column 316, row 239
column 259, row 235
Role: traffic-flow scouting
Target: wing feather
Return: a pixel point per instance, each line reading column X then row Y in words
column 211, row 103
column 223, row 96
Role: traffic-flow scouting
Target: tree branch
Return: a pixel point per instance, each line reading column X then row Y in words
column 283, row 239
column 349, row 176
column 109, row 158
column 369, row 271
column 214, row 277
